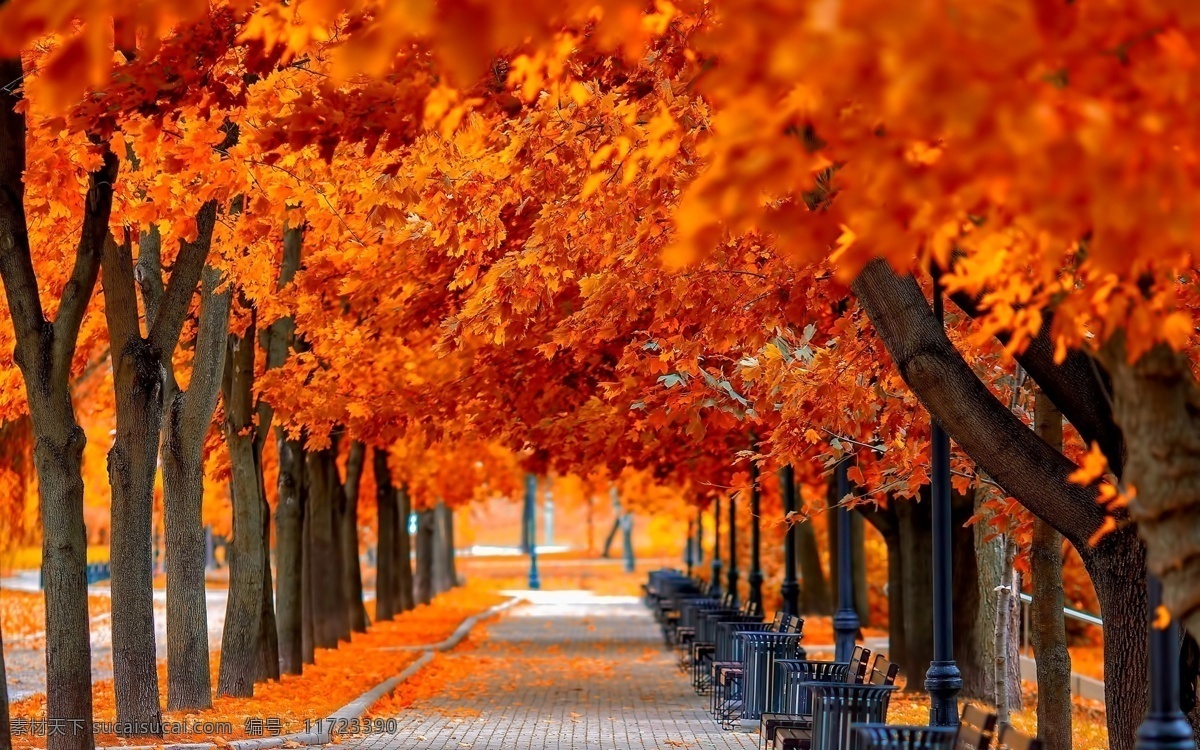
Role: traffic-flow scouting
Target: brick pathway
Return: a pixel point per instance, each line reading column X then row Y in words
column 565, row 671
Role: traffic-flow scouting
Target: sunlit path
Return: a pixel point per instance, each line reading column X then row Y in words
column 568, row 670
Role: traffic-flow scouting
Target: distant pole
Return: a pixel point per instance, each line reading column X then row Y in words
column 1165, row 727
column 714, row 584
column 845, row 620
column 699, row 537
column 531, row 484
column 790, row 590
column 627, row 538
column 755, row 578
column 548, row 516
column 943, row 681
column 731, row 579
column 689, row 541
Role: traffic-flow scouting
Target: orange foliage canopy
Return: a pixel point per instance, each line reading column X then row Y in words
column 488, row 193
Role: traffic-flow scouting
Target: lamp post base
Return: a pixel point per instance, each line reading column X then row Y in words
column 845, row 631
column 535, row 582
column 790, row 591
column 1168, row 731
column 943, row 682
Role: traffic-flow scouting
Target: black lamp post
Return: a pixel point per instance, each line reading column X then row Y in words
column 943, row 681
column 714, row 585
column 1165, row 727
column 688, row 543
column 731, row 578
column 790, row 590
column 755, row 578
column 699, row 537
column 531, row 484
column 845, row 620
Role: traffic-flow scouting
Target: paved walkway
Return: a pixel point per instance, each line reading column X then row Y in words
column 568, row 670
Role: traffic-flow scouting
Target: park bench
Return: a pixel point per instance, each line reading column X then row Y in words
column 703, row 644
column 1011, row 739
column 837, row 705
column 974, row 732
column 750, row 651
column 794, row 698
column 696, row 621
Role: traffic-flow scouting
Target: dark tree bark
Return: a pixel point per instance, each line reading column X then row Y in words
column 447, row 518
column 289, row 553
column 183, row 426
column 887, row 522
column 329, row 616
column 291, row 485
column 187, row 422
column 423, row 590
column 814, row 588
column 858, row 559
column 1028, row 469
column 5, row 725
column 352, row 585
column 386, row 588
column 243, row 618
column 268, row 635
column 405, row 596
column 308, row 628
column 44, row 351
column 1048, row 629
column 441, row 568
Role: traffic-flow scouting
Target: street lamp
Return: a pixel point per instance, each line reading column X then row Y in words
column 943, row 681
column 714, row 585
column 845, row 620
column 1165, row 727
column 755, row 578
column 531, row 484
column 790, row 590
column 731, row 579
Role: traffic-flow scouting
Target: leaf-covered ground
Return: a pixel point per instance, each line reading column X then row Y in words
column 339, row 675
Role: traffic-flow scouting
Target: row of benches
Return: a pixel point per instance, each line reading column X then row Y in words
column 758, row 674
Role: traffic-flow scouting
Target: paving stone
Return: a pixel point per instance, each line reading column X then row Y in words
column 565, row 671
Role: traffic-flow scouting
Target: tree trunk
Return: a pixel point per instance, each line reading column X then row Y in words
column 859, row 540
column 43, row 353
column 405, row 596
column 188, row 419
column 292, row 489
column 1048, row 630
column 386, row 587
column 814, row 588
column 1007, row 693
column 886, row 522
column 441, row 568
column 423, row 589
column 916, row 553
column 243, row 615
column 132, row 463
column 308, row 628
column 451, row 566
column 612, row 533
column 330, row 623
column 268, row 635
column 5, row 727
column 289, row 553
column 994, row 573
column 1033, row 472
column 1118, row 559
column 352, row 585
